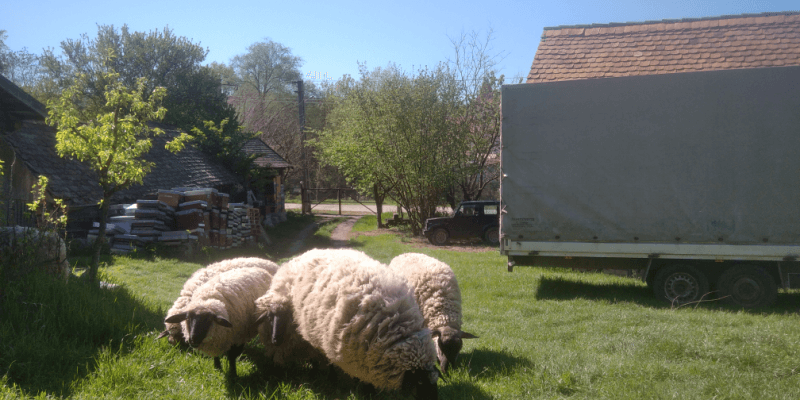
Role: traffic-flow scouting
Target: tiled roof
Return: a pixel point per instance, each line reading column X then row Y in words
column 34, row 144
column 266, row 157
column 669, row 46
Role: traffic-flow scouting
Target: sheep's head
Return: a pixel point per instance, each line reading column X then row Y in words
column 448, row 345
column 276, row 311
column 280, row 321
column 422, row 383
column 198, row 323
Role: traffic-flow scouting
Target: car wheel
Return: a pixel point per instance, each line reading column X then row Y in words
column 439, row 237
column 492, row 236
column 680, row 284
column 747, row 286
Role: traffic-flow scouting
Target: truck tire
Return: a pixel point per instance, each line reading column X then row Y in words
column 492, row 236
column 747, row 286
column 439, row 237
column 680, row 284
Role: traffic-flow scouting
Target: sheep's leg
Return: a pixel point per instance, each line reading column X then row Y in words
column 217, row 363
column 232, row 354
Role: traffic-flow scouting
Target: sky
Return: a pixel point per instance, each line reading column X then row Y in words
column 333, row 37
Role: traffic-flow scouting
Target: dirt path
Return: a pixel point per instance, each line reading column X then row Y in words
column 340, row 236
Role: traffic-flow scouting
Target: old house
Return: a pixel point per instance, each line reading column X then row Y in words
column 668, row 46
column 28, row 144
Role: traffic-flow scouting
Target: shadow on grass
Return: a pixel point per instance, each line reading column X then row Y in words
column 565, row 289
column 323, row 382
column 51, row 331
column 463, row 390
column 485, row 363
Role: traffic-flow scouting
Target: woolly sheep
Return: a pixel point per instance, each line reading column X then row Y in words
column 173, row 331
column 220, row 318
column 439, row 298
column 359, row 314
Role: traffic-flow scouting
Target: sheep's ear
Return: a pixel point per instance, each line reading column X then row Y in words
column 174, row 319
column 262, row 318
column 222, row 321
column 162, row 335
column 467, row 335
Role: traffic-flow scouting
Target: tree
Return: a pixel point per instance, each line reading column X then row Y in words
column 474, row 71
column 396, row 132
column 112, row 139
column 267, row 67
column 20, row 67
column 163, row 59
column 264, row 96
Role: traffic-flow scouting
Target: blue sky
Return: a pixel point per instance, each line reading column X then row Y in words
column 332, row 37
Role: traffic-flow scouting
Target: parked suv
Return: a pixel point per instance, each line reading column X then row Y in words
column 480, row 218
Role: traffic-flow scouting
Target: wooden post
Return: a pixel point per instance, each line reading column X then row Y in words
column 339, row 199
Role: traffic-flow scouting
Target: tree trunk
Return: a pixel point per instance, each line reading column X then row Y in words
column 98, row 245
column 378, row 204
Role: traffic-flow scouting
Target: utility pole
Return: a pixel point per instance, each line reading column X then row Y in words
column 301, row 108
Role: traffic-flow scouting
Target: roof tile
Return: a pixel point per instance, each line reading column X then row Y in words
column 668, row 46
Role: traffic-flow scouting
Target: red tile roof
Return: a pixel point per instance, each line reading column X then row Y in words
column 669, row 46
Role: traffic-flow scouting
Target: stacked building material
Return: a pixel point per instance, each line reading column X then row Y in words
column 187, row 217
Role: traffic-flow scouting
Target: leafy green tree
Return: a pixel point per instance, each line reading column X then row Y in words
column 165, row 60
column 395, row 131
column 110, row 139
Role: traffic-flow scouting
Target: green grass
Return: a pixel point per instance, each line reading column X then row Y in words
column 544, row 334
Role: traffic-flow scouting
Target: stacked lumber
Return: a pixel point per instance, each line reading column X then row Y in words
column 188, row 217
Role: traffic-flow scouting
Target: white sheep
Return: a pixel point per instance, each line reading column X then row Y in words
column 359, row 314
column 173, row 332
column 220, row 319
column 439, row 298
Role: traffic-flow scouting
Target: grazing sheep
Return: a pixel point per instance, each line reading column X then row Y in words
column 439, row 298
column 220, row 319
column 173, row 332
column 359, row 314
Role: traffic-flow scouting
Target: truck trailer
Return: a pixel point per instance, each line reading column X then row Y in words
column 692, row 178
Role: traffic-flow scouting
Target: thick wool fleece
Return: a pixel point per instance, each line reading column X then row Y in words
column 232, row 295
column 202, row 276
column 362, row 316
column 435, row 288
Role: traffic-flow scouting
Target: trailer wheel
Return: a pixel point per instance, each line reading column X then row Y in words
column 439, row 237
column 747, row 286
column 680, row 284
column 492, row 236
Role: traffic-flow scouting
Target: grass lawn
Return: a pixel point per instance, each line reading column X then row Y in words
column 544, row 334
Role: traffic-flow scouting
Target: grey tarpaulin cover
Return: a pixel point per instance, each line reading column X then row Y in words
column 701, row 157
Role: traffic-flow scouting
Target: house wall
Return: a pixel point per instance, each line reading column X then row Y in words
column 15, row 188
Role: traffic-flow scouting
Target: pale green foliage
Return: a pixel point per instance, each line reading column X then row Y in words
column 111, row 137
column 53, row 217
column 113, row 141
column 398, row 131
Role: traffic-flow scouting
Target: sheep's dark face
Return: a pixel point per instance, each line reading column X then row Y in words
column 449, row 341
column 198, row 323
column 422, row 383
